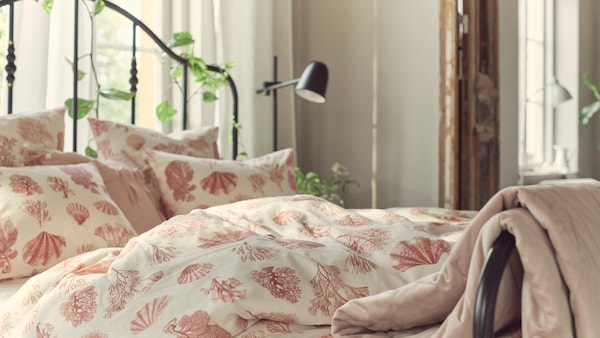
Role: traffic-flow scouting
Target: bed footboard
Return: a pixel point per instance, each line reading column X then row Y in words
column 489, row 281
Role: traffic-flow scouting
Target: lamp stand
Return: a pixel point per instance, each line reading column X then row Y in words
column 268, row 92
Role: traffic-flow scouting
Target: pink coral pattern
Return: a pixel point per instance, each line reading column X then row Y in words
column 257, row 276
column 24, row 185
column 8, row 238
column 219, row 182
column 194, row 272
column 282, row 283
column 114, row 139
column 179, row 175
column 195, row 325
column 43, row 248
column 80, row 306
column 106, row 207
column 29, row 133
column 147, row 315
column 418, row 251
column 78, row 212
column 115, row 235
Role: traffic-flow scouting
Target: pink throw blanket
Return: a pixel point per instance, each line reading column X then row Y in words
column 553, row 284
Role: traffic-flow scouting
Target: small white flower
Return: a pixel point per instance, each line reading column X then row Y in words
column 340, row 169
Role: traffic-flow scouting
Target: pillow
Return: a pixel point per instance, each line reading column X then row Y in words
column 125, row 185
column 188, row 183
column 24, row 132
column 51, row 213
column 113, row 138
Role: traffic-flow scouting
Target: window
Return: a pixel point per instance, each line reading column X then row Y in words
column 540, row 90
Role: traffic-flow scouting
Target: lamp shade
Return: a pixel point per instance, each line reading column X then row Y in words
column 312, row 84
column 560, row 94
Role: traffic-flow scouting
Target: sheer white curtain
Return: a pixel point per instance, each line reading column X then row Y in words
column 43, row 43
column 248, row 33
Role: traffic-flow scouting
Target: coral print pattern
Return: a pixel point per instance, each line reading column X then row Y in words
column 115, row 139
column 29, row 133
column 255, row 268
column 51, row 213
column 188, row 183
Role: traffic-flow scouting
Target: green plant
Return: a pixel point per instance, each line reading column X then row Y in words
column 208, row 80
column 330, row 189
column 590, row 110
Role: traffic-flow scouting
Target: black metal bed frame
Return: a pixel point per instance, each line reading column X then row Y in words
column 489, row 282
column 11, row 67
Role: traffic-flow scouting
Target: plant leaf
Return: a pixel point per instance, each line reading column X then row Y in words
column 83, row 107
column 229, row 65
column 165, row 112
column 588, row 112
column 47, row 5
column 90, row 152
column 209, row 97
column 99, row 7
column 80, row 74
column 176, row 71
column 587, row 79
column 115, row 94
column 181, row 39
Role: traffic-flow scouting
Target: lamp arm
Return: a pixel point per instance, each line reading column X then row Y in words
column 269, row 86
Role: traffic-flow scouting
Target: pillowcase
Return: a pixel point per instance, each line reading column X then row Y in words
column 19, row 133
column 114, row 138
column 188, row 183
column 51, row 213
column 125, row 185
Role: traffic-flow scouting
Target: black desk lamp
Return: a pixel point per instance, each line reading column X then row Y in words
column 311, row 86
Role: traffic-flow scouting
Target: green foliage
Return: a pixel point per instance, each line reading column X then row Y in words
column 83, row 107
column 47, row 5
column 165, row 112
column 590, row 110
column 90, row 152
column 330, row 189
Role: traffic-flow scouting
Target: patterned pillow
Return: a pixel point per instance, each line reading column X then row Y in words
column 51, row 213
column 125, row 185
column 113, row 138
column 23, row 132
column 188, row 183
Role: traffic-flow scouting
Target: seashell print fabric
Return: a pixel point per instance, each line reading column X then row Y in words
column 25, row 133
column 256, row 268
column 188, row 183
column 114, row 138
column 51, row 213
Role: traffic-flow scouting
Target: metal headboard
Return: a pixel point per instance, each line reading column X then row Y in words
column 11, row 67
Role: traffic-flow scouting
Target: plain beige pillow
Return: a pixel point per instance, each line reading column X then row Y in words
column 125, row 185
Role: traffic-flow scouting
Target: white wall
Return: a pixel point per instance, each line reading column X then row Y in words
column 401, row 37
column 404, row 40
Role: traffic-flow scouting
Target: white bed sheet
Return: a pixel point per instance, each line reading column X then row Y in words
column 9, row 287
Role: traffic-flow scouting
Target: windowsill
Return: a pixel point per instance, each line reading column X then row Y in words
column 535, row 177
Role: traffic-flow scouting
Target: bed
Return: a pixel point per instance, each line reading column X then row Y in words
column 159, row 236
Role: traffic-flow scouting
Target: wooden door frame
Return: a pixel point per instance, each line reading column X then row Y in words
column 469, row 125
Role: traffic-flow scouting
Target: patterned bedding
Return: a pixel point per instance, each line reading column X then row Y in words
column 256, row 268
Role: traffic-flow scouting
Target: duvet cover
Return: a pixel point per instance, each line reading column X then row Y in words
column 266, row 267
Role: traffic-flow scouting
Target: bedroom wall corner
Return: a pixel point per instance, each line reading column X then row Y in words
column 509, row 68
column 381, row 73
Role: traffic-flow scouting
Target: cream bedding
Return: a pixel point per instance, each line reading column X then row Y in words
column 257, row 268
column 10, row 287
column 552, row 287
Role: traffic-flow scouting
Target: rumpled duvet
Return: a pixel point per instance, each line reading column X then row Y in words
column 266, row 267
column 552, row 285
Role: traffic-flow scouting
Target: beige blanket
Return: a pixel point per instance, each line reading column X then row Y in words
column 553, row 284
